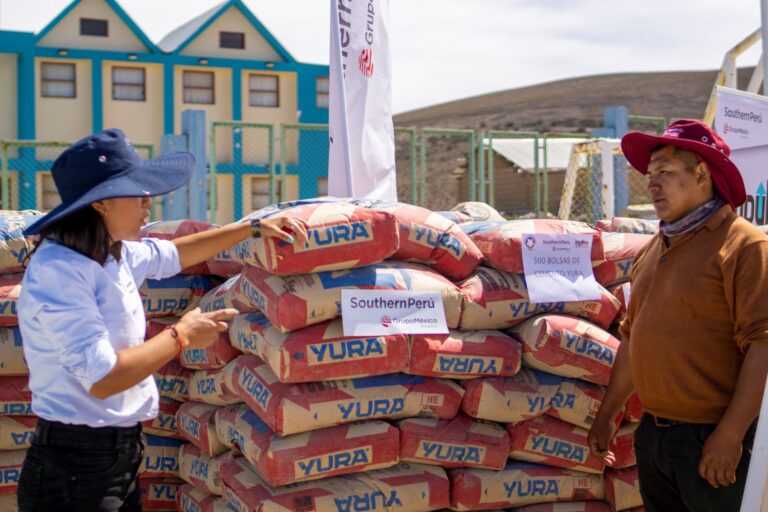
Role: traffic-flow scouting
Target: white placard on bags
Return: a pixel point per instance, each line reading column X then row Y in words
column 382, row 312
column 558, row 268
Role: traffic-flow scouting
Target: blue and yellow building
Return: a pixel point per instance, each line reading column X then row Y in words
column 92, row 67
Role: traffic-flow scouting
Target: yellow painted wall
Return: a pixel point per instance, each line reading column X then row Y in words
column 65, row 119
column 66, row 34
column 225, row 204
column 221, row 110
column 207, row 43
column 142, row 121
column 285, row 113
column 9, row 111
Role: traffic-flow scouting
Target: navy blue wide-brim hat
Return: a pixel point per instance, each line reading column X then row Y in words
column 105, row 165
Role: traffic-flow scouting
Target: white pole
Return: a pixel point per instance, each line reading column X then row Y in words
column 764, row 29
column 756, row 488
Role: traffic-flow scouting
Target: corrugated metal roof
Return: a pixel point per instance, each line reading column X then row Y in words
column 521, row 152
column 180, row 35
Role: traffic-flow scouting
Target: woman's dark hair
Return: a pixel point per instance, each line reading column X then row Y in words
column 84, row 231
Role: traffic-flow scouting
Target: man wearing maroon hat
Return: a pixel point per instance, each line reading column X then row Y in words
column 695, row 338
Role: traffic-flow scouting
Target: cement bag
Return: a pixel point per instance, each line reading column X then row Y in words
column 633, row 410
column 8, row 503
column 429, row 238
column 10, row 469
column 14, row 246
column 502, row 242
column 173, row 381
column 628, row 225
column 15, row 397
column 161, row 457
column 201, row 469
column 570, row 506
column 164, row 424
column 225, row 419
column 461, row 442
column 478, row 211
column 10, row 288
column 411, row 487
column 214, row 387
column 567, row 346
column 577, row 402
column 323, row 453
column 209, row 358
column 339, row 236
column 464, row 355
column 521, row 483
column 159, row 494
column 226, row 295
column 219, row 265
column 553, row 442
column 493, row 299
column 622, row 488
column 16, row 432
column 12, row 362
column 294, row 408
column 293, row 302
column 620, row 252
column 623, row 293
column 191, row 499
column 173, row 295
column 320, row 351
column 196, row 424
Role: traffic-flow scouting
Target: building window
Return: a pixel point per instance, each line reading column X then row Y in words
column 128, row 84
column 198, row 87
column 91, row 27
column 234, row 40
column 263, row 90
column 260, row 192
column 322, row 88
column 58, row 80
column 322, row 187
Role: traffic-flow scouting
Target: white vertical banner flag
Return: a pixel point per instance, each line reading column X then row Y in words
column 361, row 160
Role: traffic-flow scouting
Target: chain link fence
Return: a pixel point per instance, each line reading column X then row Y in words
column 304, row 161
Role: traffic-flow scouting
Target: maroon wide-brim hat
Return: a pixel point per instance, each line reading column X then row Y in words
column 699, row 138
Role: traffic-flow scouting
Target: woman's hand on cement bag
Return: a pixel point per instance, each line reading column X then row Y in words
column 200, row 330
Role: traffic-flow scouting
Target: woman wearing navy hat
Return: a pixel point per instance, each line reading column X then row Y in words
column 83, row 325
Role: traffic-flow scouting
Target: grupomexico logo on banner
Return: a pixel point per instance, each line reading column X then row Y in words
column 383, row 312
column 361, row 159
column 741, row 120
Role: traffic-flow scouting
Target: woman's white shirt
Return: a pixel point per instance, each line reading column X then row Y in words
column 74, row 316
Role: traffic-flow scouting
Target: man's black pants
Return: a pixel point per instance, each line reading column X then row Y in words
column 668, row 463
column 81, row 469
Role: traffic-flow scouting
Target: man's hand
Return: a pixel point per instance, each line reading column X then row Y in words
column 600, row 440
column 720, row 456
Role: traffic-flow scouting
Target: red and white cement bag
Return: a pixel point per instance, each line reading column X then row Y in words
column 15, row 397
column 339, row 236
column 219, row 265
column 196, row 424
column 12, row 362
column 478, row 211
column 502, row 242
column 16, row 432
column 521, row 483
column 411, row 487
column 14, row 245
column 161, row 457
column 568, row 506
column 226, row 295
column 567, row 346
column 173, row 381
column 293, row 302
column 553, row 442
column 430, row 238
column 214, row 387
column 209, row 358
column 159, row 494
column 320, row 351
column 461, row 442
column 225, row 420
column 620, row 252
column 294, row 408
column 10, row 289
column 494, row 299
column 201, row 469
column 622, row 488
column 465, row 355
column 323, row 453
column 173, row 295
column 628, row 225
column 8, row 503
column 633, row 410
column 623, row 293
column 164, row 424
column 191, row 499
column 577, row 402
column 10, row 470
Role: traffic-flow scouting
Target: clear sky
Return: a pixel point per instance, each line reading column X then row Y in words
column 450, row 49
